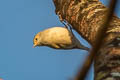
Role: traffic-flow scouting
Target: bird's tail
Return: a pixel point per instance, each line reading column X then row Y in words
column 80, row 46
column 83, row 48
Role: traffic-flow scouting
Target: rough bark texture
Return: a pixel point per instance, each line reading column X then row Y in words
column 86, row 17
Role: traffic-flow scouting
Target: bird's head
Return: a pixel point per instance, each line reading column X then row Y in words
column 37, row 40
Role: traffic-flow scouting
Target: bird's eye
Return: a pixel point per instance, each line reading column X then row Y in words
column 36, row 39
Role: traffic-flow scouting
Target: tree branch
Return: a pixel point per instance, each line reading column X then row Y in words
column 86, row 17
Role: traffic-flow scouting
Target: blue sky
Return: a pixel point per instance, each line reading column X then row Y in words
column 20, row 20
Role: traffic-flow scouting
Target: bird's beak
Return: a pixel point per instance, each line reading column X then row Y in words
column 34, row 46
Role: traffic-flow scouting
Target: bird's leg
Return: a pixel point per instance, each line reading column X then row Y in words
column 67, row 25
column 64, row 23
column 70, row 27
column 62, row 20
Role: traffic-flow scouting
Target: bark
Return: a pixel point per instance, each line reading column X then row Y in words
column 86, row 17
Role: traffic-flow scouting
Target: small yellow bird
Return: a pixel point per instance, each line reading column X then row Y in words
column 57, row 38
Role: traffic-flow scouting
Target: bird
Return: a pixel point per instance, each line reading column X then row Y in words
column 58, row 38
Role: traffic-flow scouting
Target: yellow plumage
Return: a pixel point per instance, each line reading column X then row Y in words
column 58, row 38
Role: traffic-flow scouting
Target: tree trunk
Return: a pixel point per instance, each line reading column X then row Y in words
column 86, row 17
